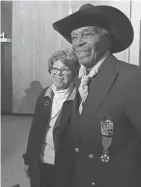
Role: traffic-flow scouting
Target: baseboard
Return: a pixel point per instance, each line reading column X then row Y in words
column 16, row 114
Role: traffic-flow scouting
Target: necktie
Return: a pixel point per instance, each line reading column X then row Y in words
column 83, row 88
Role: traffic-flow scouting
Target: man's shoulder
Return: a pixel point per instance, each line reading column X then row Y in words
column 127, row 69
column 128, row 73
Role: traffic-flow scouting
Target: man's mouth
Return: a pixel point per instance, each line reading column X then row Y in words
column 82, row 53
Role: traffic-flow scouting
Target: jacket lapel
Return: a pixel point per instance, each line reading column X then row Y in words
column 66, row 111
column 62, row 120
column 98, row 92
column 100, row 87
column 46, row 104
column 65, row 115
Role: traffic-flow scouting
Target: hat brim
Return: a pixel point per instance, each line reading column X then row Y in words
column 103, row 16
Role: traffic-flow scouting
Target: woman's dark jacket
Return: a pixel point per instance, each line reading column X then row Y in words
column 39, row 127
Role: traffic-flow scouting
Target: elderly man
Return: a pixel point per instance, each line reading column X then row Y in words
column 105, row 129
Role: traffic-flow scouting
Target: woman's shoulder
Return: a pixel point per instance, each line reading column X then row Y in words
column 42, row 93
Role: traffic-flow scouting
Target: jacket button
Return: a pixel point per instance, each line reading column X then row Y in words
column 91, row 156
column 76, row 150
column 93, row 184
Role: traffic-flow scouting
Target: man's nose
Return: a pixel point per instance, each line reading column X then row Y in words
column 80, row 41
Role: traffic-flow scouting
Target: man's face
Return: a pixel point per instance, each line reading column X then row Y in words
column 89, row 44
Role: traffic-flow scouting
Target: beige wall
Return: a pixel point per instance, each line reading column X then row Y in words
column 34, row 40
column 136, row 22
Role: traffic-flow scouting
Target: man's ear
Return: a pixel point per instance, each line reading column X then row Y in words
column 110, row 40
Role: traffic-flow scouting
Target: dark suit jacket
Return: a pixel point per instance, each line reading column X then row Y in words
column 114, row 93
column 39, row 128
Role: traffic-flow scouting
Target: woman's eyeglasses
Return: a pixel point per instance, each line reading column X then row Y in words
column 63, row 71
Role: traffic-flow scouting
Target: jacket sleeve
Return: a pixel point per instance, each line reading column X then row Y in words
column 65, row 160
column 133, row 102
column 28, row 156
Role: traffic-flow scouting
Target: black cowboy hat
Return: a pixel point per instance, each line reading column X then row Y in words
column 104, row 16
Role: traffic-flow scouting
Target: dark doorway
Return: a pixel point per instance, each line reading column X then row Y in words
column 6, row 58
column 140, row 46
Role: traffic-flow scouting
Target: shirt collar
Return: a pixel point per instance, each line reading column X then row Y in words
column 82, row 71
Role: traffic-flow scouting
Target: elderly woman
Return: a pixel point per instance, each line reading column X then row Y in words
column 51, row 118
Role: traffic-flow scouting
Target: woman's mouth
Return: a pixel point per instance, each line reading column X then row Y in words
column 58, row 78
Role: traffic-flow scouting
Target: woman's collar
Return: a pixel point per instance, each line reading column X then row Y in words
column 49, row 93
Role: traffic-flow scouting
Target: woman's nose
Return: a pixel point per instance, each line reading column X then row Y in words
column 59, row 72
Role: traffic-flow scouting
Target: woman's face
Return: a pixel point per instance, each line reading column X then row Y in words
column 61, row 75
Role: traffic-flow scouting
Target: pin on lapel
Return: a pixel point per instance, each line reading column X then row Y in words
column 46, row 103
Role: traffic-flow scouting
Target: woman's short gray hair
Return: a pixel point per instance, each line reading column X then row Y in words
column 67, row 57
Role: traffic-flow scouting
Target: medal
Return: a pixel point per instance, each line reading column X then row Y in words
column 105, row 157
column 107, row 133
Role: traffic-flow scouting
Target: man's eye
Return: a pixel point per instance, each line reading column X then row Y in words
column 74, row 37
column 88, row 34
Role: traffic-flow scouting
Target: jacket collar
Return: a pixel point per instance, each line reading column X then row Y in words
column 95, row 68
column 49, row 93
column 109, row 65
